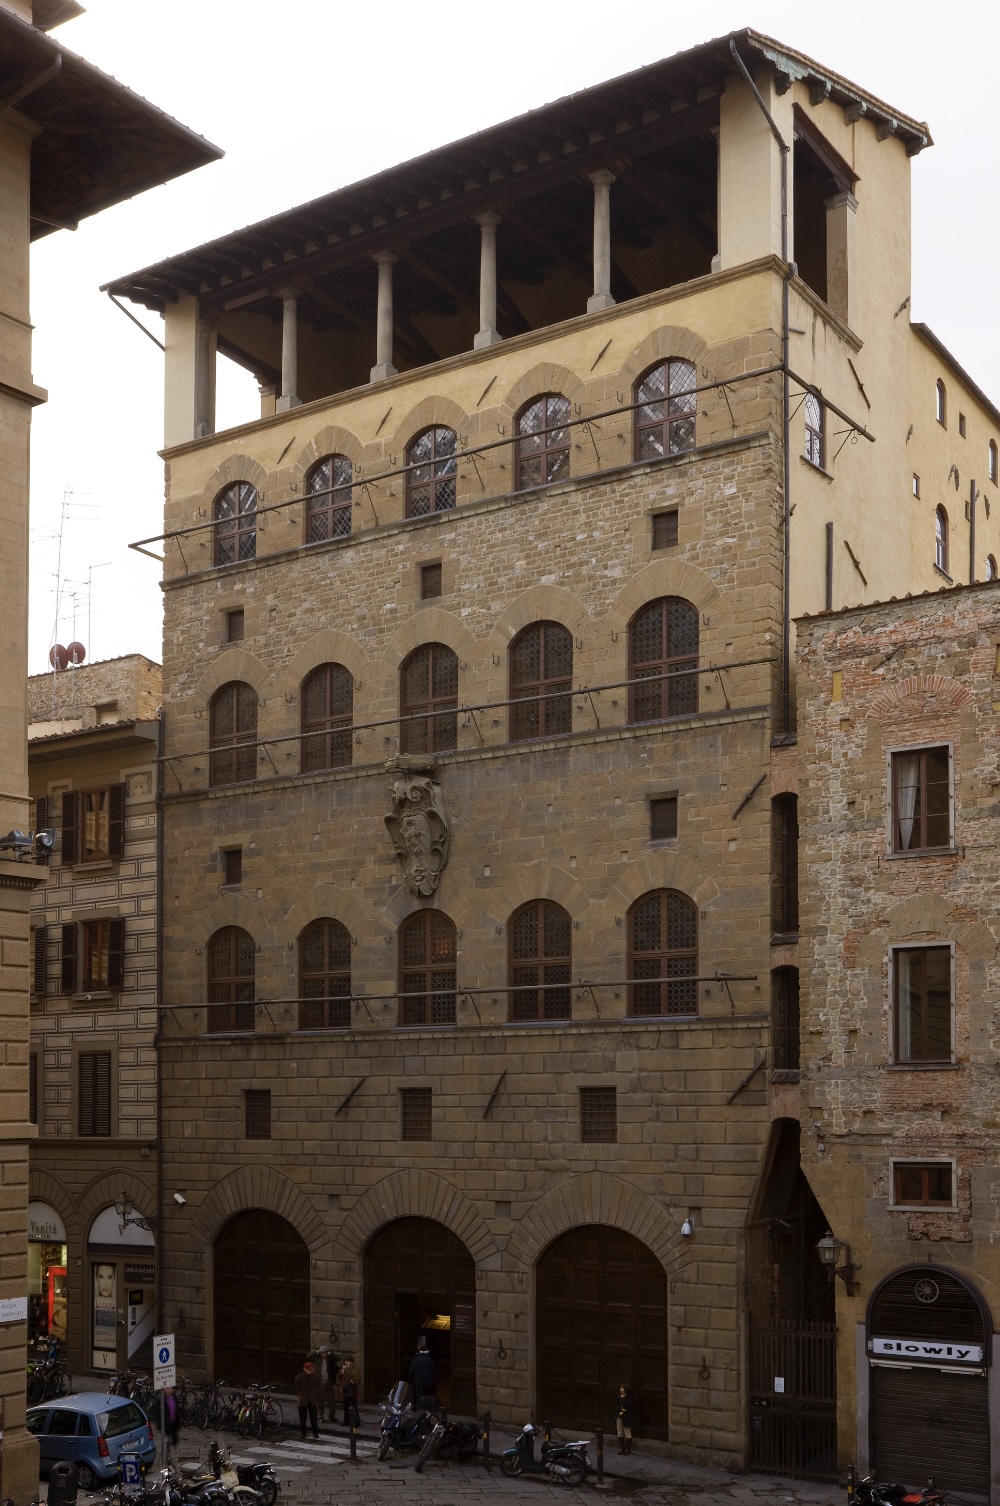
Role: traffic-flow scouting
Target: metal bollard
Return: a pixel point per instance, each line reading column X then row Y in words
column 354, row 1443
column 547, row 1431
column 600, row 1456
column 486, row 1441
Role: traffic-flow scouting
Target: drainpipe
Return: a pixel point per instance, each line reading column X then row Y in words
column 786, row 668
column 972, row 532
column 161, row 715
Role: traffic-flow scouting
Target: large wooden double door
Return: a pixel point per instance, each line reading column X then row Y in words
column 261, row 1300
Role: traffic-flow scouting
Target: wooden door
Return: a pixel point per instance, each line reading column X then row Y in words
column 261, row 1300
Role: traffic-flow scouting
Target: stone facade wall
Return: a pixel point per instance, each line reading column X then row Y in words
column 914, row 673
column 128, row 688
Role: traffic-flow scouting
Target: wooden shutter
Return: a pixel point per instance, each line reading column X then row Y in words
column 69, row 943
column 41, row 812
column 39, row 981
column 116, row 954
column 116, row 821
column 70, row 826
column 95, row 1093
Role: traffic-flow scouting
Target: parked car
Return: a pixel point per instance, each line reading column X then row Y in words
column 91, row 1429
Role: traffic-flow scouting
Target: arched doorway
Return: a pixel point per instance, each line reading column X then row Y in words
column 929, row 1349
column 261, row 1299
column 601, row 1318
column 420, row 1280
column 122, row 1284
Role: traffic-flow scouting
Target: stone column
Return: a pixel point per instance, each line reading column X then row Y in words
column 204, row 416
column 602, row 298
column 383, row 367
column 289, row 351
column 487, row 281
column 841, row 281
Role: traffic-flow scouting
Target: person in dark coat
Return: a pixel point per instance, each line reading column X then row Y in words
column 624, row 1417
column 308, row 1392
column 423, row 1373
column 349, row 1394
column 326, row 1368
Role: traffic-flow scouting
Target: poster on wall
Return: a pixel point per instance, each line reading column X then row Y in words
column 105, row 1356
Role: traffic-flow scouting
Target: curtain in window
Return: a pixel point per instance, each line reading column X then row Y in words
column 908, row 1007
column 907, row 789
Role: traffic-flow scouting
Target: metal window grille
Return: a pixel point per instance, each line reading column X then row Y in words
column 427, row 964
column 663, row 945
column 33, row 1088
column 599, row 1115
column 431, row 483
column 430, row 582
column 539, row 939
column 415, row 1113
column 257, row 1113
column 235, row 626
column 541, row 664
column 663, row 818
column 663, row 642
column 231, row 980
column 922, row 1004
column 665, row 529
column 325, row 976
column 814, row 430
column 665, row 419
column 233, row 734
column 785, row 865
column 542, row 452
column 328, row 499
column 927, row 1185
column 428, row 682
column 94, row 1093
column 921, row 800
column 327, row 714
column 236, row 524
column 232, row 865
column 992, row 462
column 785, row 1017
column 941, row 539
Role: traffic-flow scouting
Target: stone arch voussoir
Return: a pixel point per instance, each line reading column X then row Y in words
column 431, row 410
column 235, row 467
column 547, row 376
column 45, row 1187
column 662, row 578
column 419, row 1194
column 104, row 1189
column 430, row 625
column 540, row 604
column 669, row 341
column 232, row 664
column 260, row 1187
column 332, row 439
column 331, row 646
column 596, row 1198
column 941, row 688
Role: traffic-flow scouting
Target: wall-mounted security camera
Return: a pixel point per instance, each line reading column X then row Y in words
column 180, row 1199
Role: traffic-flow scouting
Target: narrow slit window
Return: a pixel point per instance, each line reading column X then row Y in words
column 257, row 1114
column 662, row 818
column 665, row 529
column 599, row 1116
column 430, row 582
column 416, row 1110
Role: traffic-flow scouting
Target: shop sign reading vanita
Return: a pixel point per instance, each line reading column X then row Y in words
column 942, row 1352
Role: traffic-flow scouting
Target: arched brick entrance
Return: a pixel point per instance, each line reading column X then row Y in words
column 261, row 1299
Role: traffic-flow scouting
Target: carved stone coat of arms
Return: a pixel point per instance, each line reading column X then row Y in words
column 417, row 822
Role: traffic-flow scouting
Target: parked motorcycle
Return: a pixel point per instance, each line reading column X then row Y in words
column 403, row 1425
column 259, row 1477
column 180, row 1490
column 872, row 1492
column 449, row 1440
column 567, row 1462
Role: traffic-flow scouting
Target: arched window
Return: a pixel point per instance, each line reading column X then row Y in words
column 991, row 567
column 663, row 944
column 814, row 430
column 541, row 664
column 428, row 696
column 539, row 947
column 941, row 402
column 662, row 646
column 992, row 463
column 235, row 514
column 427, row 949
column 327, row 709
column 231, row 969
column 664, row 421
column 325, row 976
column 941, row 539
column 431, row 479
column 232, row 720
column 542, row 442
column 328, row 499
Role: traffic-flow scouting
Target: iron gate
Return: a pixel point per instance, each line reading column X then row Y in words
column 793, row 1399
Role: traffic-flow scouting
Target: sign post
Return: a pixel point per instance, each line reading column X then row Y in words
column 164, row 1374
column 130, row 1474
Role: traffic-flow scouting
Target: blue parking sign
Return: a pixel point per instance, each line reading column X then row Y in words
column 130, row 1473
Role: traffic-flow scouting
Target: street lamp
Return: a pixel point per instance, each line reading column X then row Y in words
column 829, row 1250
column 127, row 1215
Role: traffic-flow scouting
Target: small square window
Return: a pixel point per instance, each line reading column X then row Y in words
column 107, row 712
column 235, row 626
column 415, row 1113
column 961, row 424
column 663, row 818
column 928, row 1184
column 921, row 800
column 430, row 581
column 232, row 865
column 916, row 484
column 665, row 529
column 257, row 1113
column 599, row 1115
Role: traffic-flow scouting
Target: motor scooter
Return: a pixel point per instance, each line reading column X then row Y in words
column 567, row 1462
column 872, row 1492
column 403, row 1425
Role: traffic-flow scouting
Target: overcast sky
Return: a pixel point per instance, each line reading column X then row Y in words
column 307, row 96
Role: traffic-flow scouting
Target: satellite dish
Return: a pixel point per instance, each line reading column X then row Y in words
column 58, row 656
column 76, row 653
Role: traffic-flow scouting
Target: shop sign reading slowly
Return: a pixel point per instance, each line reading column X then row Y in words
column 941, row 1353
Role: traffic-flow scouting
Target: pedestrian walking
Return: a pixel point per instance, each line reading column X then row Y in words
column 171, row 1426
column 307, row 1395
column 624, row 1417
column 423, row 1374
column 349, row 1393
column 326, row 1369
